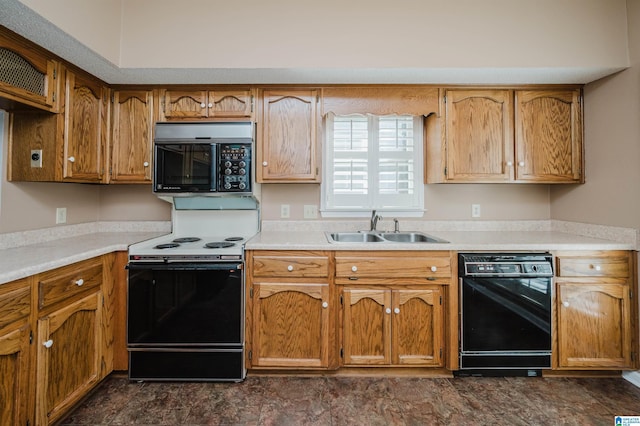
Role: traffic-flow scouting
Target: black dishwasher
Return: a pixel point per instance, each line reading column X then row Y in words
column 505, row 313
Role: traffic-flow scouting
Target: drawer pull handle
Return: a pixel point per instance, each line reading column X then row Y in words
column 354, row 268
column 290, row 268
column 79, row 282
column 353, row 278
column 431, row 278
column 396, row 310
column 48, row 343
column 325, row 305
column 388, row 310
column 434, row 268
column 565, row 304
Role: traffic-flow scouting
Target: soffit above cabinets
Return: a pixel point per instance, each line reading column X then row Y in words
column 24, row 21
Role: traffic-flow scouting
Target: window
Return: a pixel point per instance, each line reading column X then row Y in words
column 372, row 162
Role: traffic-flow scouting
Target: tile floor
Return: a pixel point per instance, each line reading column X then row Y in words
column 361, row 401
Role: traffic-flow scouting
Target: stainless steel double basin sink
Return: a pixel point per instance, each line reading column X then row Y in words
column 382, row 237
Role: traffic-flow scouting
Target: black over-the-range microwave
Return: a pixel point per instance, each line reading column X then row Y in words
column 203, row 158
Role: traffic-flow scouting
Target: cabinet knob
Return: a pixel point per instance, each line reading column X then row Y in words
column 210, row 105
column 521, row 164
column 434, row 268
column 48, row 343
column 354, row 268
column 79, row 282
column 396, row 310
column 388, row 310
column 596, row 267
column 202, row 105
column 146, row 164
column 72, row 159
column 565, row 304
column 264, row 163
column 290, row 268
column 325, row 305
column 509, row 163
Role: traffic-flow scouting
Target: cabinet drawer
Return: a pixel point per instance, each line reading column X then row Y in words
column 15, row 302
column 605, row 266
column 290, row 266
column 65, row 282
column 393, row 265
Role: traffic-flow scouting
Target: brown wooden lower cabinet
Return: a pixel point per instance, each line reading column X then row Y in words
column 596, row 315
column 393, row 326
column 14, row 377
column 291, row 325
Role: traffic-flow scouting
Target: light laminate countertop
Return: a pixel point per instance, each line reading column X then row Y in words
column 24, row 261
column 457, row 240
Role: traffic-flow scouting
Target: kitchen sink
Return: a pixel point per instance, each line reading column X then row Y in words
column 354, row 237
column 410, row 237
column 382, row 237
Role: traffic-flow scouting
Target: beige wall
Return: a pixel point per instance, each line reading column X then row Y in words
column 443, row 202
column 97, row 23
column 302, row 34
column 611, row 194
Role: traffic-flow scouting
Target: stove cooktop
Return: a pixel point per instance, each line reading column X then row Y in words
column 187, row 248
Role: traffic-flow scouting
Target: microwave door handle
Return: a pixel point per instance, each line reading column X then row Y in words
column 215, row 167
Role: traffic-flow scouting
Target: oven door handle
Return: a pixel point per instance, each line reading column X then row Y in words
column 194, row 266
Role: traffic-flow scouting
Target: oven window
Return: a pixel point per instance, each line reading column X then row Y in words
column 184, row 307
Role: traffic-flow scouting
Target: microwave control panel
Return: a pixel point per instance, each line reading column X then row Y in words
column 235, row 167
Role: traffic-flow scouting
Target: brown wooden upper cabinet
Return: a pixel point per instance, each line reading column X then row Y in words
column 28, row 76
column 132, row 136
column 288, row 136
column 86, row 129
column 199, row 104
column 507, row 136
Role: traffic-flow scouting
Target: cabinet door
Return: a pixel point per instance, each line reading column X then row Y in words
column 290, row 325
column 417, row 327
column 479, row 135
column 69, row 353
column 178, row 104
column 14, row 377
column 594, row 329
column 230, row 103
column 289, row 137
column 548, row 136
column 85, row 133
column 132, row 138
column 367, row 326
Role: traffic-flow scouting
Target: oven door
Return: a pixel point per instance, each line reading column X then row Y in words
column 185, row 305
column 505, row 322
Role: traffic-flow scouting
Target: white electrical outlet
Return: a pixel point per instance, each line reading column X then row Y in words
column 61, row 215
column 475, row 210
column 310, row 211
column 36, row 158
column 285, row 211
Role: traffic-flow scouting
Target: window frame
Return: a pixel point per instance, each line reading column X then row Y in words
column 415, row 207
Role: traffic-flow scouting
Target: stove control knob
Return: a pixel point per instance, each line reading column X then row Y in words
column 227, row 172
column 290, row 268
column 227, row 185
column 48, row 343
column 242, row 164
column 242, row 171
column 227, row 164
column 242, row 185
column 325, row 305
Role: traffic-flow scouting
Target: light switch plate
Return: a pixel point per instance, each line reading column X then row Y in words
column 61, row 215
column 475, row 210
column 310, row 211
column 285, row 211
